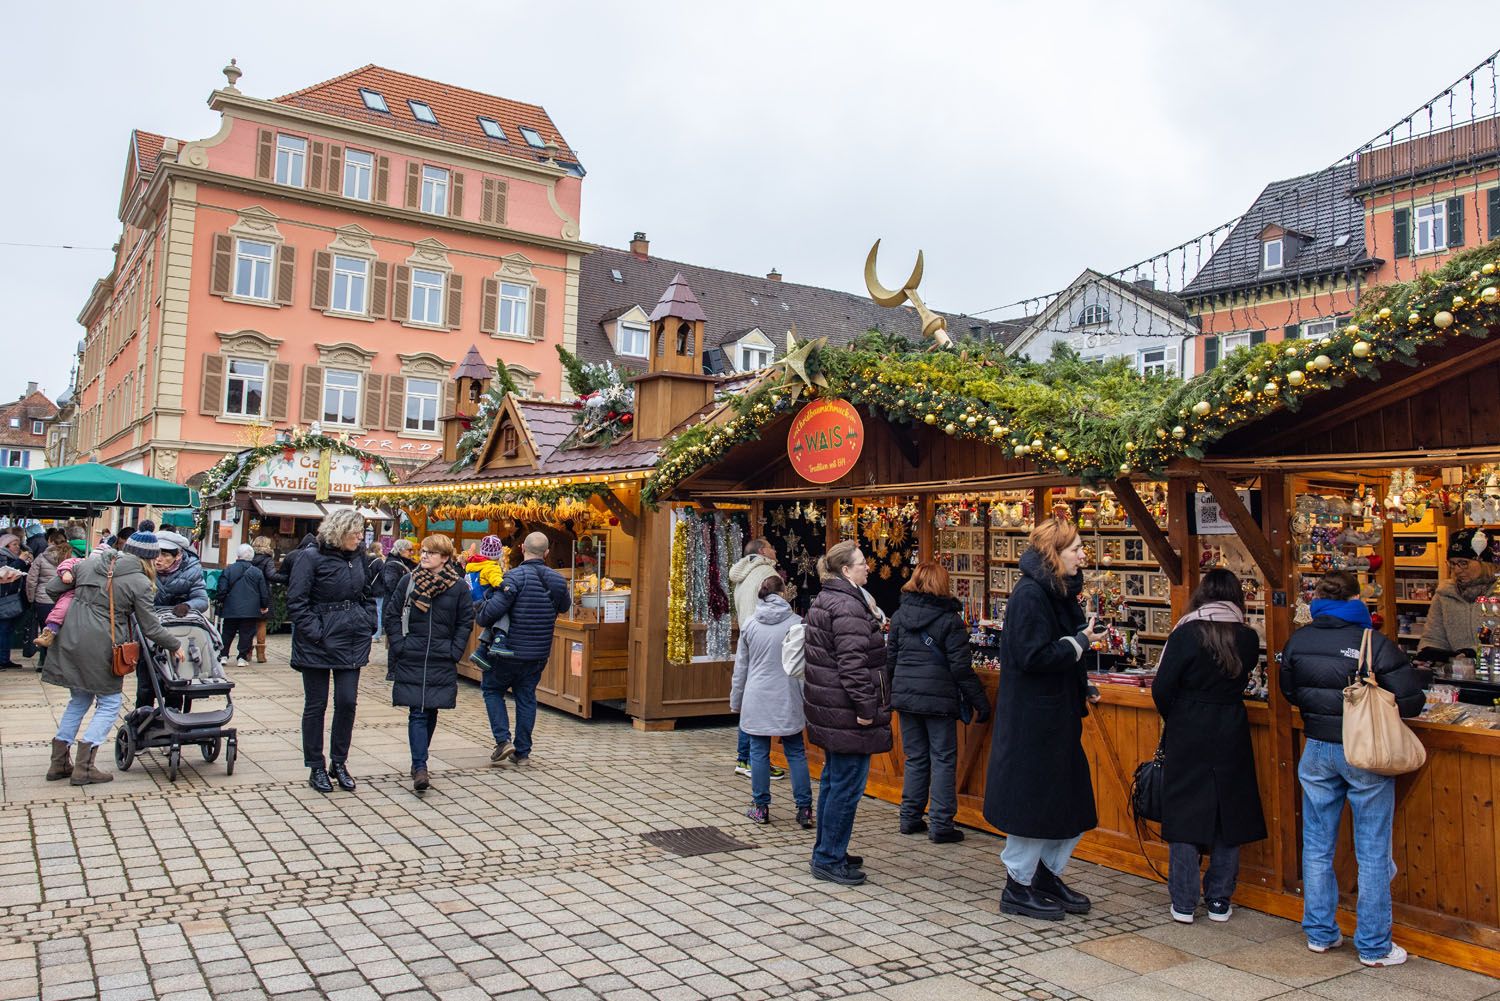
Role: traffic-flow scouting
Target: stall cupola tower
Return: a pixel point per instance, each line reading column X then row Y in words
column 472, row 377
column 674, row 386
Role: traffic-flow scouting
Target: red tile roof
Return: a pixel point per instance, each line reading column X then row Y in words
column 457, row 110
column 147, row 150
column 32, row 407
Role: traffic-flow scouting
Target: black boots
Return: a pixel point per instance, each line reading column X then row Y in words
column 341, row 776
column 319, row 780
column 1072, row 901
column 1027, row 901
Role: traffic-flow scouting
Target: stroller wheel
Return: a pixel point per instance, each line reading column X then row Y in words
column 230, row 753
column 210, row 749
column 125, row 747
column 174, row 762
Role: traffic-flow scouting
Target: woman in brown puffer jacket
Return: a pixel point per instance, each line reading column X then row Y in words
column 847, row 706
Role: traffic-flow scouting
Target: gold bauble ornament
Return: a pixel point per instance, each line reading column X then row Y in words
column 1004, row 429
column 1161, row 433
column 1130, row 446
column 1022, row 449
column 971, row 420
column 1295, row 377
column 1459, row 302
column 930, row 418
column 1125, row 469
column 1201, row 408
column 1291, row 352
column 951, row 429
column 1059, row 453
column 1473, row 274
column 998, row 432
column 1352, row 329
column 1490, row 295
column 1361, row 349
column 1036, row 443
column 1310, row 366
column 1414, row 317
column 1269, row 388
column 1322, row 363
column 1325, row 341
column 1443, row 320
column 1488, row 269
column 1179, row 432
column 1385, row 313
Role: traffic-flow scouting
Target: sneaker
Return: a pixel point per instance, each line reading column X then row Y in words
column 521, row 761
column 503, row 752
column 841, row 874
column 759, row 814
column 1315, row 947
column 1395, row 957
column 742, row 768
column 1186, row 919
column 241, row 662
column 778, row 773
column 917, row 826
column 1220, row 910
column 805, row 818
column 948, row 837
column 854, row 861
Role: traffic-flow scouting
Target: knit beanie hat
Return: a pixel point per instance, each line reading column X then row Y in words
column 491, row 548
column 143, row 545
column 1471, row 544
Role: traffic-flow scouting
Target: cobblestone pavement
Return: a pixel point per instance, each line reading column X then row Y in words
column 535, row 882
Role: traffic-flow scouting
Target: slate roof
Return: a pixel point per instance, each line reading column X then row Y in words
column 456, row 109
column 30, row 407
column 1319, row 205
column 735, row 303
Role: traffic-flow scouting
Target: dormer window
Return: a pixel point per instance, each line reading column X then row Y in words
column 491, row 128
column 510, row 442
column 374, row 100
column 1093, row 313
column 421, row 112
column 1271, row 254
column 632, row 340
column 532, row 137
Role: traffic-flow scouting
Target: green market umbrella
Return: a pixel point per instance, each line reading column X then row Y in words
column 14, row 482
column 92, row 483
column 180, row 518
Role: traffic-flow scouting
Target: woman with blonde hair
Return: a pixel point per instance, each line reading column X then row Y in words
column 333, row 621
column 933, row 686
column 1038, row 791
column 846, row 704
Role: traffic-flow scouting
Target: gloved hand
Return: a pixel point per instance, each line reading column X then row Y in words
column 181, row 610
column 982, row 713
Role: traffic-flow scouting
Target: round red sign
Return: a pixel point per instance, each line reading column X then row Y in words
column 825, row 440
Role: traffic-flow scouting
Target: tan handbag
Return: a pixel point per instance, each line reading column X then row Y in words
column 123, row 656
column 1375, row 739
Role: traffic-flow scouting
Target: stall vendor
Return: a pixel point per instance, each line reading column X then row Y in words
column 1454, row 617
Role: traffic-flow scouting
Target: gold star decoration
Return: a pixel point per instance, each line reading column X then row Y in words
column 792, row 368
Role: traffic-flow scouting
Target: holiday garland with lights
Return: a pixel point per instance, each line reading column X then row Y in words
column 544, row 502
column 225, row 477
column 1098, row 420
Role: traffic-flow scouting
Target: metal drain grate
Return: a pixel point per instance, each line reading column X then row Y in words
column 694, row 841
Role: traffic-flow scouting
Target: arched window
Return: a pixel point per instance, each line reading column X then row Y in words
column 1093, row 313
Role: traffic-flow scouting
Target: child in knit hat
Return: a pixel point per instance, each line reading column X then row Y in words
column 487, row 569
column 60, row 610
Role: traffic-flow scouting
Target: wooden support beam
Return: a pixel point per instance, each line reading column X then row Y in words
column 1150, row 531
column 1266, row 558
column 628, row 522
column 1281, row 770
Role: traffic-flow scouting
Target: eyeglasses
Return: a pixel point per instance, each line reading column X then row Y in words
column 431, row 552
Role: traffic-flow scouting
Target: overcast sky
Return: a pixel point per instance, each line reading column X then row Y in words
column 1016, row 143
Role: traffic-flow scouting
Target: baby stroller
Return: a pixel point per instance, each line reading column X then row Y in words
column 170, row 720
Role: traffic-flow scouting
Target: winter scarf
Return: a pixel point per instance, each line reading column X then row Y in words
column 1476, row 588
column 1213, row 611
column 1353, row 610
column 428, row 584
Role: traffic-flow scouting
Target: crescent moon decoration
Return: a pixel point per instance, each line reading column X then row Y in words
column 933, row 326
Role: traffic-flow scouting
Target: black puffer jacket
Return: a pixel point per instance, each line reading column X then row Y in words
column 332, row 617
column 243, row 590
column 844, row 679
column 376, row 570
column 391, row 572
column 266, row 564
column 1318, row 663
column 425, row 654
column 534, row 595
column 283, row 575
column 931, row 680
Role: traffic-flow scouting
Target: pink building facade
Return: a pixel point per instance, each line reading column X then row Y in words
column 328, row 256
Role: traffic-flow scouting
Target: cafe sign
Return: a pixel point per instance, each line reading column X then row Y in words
column 825, row 440
column 299, row 473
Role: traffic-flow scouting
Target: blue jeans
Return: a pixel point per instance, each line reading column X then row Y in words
column 379, row 617
column 840, row 788
column 1327, row 781
column 742, row 749
column 7, row 626
column 520, row 678
column 106, row 711
column 1021, row 856
column 419, row 727
column 760, row 769
column 1184, row 862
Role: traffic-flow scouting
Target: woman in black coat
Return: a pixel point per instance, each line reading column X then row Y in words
column 332, row 621
column 428, row 619
column 1038, row 789
column 933, row 685
column 844, row 697
column 1210, row 799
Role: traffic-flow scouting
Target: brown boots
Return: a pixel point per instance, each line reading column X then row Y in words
column 84, row 772
column 260, row 642
column 61, row 766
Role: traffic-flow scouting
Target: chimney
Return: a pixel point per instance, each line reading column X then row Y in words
column 639, row 245
column 30, row 388
column 774, row 275
column 1149, row 284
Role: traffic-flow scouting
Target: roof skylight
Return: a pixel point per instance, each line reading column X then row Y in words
column 532, row 137
column 374, row 100
column 491, row 127
column 615, row 274
column 421, row 112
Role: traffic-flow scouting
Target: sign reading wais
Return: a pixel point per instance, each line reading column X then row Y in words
column 825, row 440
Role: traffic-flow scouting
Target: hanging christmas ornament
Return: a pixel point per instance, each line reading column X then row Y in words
column 1443, row 320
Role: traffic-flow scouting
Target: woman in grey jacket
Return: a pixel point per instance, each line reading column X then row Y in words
column 770, row 703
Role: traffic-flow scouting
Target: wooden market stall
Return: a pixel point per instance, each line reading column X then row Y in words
column 1315, row 468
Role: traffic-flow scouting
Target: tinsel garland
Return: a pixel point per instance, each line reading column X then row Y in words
column 718, row 599
column 728, row 539
column 698, row 556
column 679, row 625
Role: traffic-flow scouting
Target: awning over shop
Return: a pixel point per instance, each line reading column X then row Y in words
column 277, row 507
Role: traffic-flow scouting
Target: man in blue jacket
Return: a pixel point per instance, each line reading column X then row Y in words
column 530, row 599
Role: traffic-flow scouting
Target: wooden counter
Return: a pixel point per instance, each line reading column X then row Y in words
column 1446, row 839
